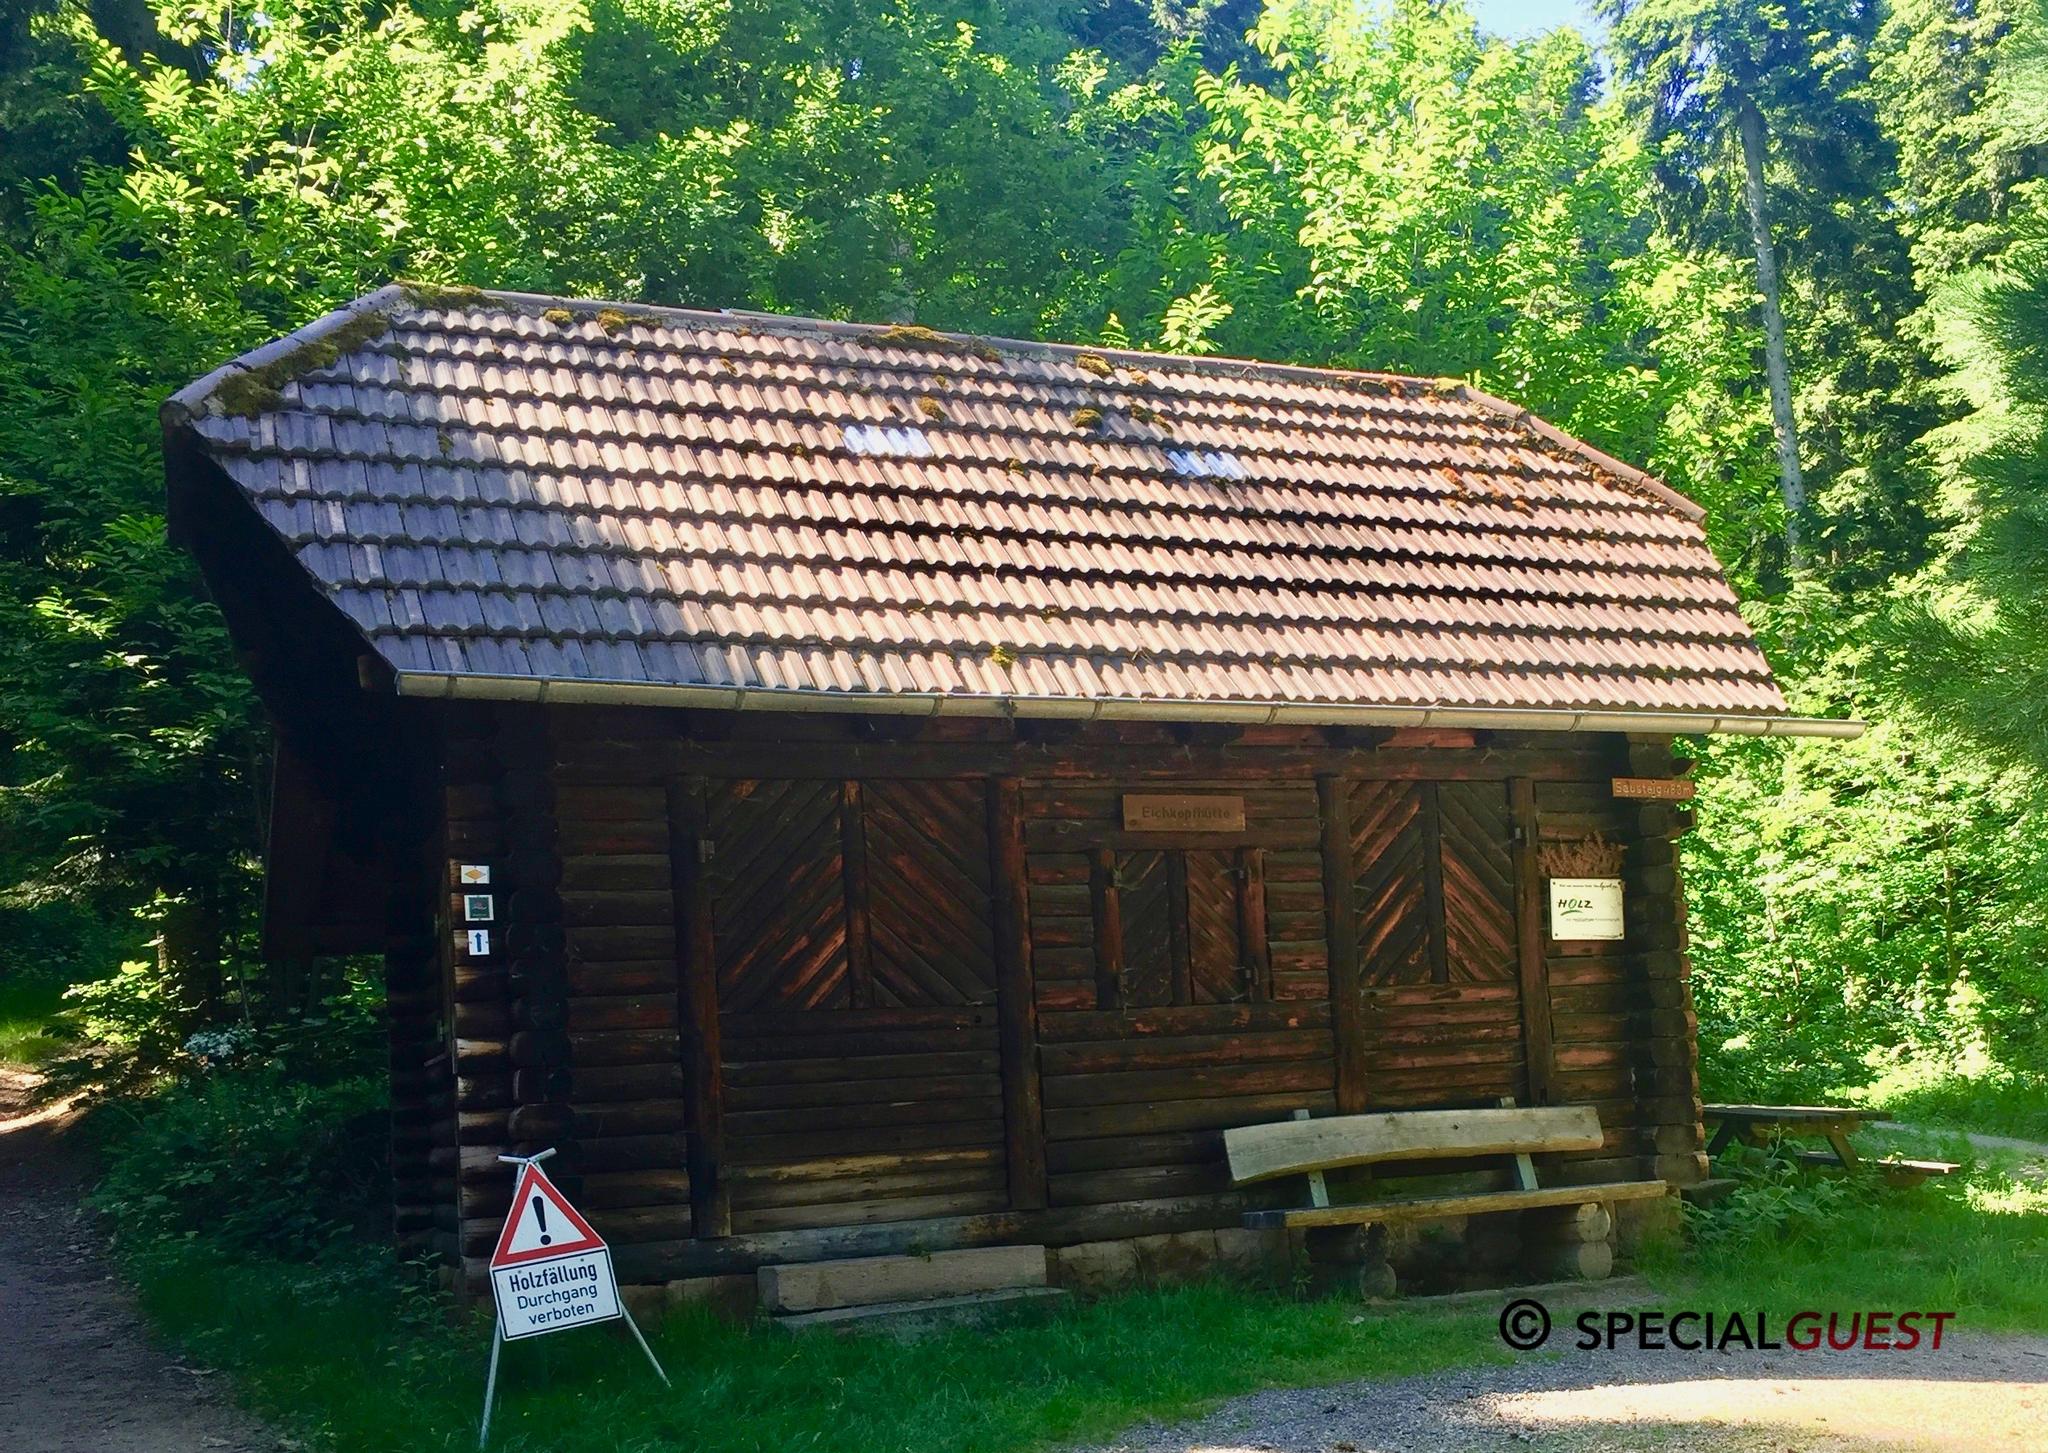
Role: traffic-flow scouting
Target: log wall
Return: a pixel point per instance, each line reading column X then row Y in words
column 798, row 987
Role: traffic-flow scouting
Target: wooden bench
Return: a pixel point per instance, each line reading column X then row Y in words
column 1312, row 1148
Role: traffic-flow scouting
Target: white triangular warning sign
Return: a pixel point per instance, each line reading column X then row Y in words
column 541, row 1224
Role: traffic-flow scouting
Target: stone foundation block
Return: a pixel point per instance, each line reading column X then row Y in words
column 1094, row 1266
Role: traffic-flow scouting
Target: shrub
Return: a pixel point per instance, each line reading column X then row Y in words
column 253, row 1159
column 1775, row 1201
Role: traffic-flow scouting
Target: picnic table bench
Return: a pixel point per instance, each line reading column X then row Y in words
column 1313, row 1148
column 1763, row 1125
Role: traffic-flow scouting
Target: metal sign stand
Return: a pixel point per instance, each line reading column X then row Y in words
column 483, row 1435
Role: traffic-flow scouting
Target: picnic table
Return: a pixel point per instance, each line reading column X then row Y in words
column 1764, row 1125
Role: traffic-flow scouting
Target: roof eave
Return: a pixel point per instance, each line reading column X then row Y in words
column 1249, row 713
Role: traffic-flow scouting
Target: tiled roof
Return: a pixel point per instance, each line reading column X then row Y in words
column 520, row 496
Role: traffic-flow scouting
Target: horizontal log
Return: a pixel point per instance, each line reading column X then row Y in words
column 1121, row 1152
column 836, row 1167
column 616, row 1190
column 832, row 1070
column 629, row 1117
column 631, row 976
column 1219, row 1113
column 828, row 1043
column 1062, row 1226
column 851, row 1022
column 593, row 1047
column 1068, row 837
column 860, row 1213
column 1089, row 1188
column 597, row 1084
column 740, row 1124
column 980, row 1180
column 1152, row 1086
column 759, row 1096
column 1191, row 1051
column 625, row 1153
column 1195, row 1019
column 759, row 1149
column 614, row 943
column 645, row 1012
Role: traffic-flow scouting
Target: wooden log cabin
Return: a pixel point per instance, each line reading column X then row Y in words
column 929, row 786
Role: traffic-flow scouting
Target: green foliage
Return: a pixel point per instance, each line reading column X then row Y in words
column 1975, row 1243
column 300, row 1342
column 1983, row 1096
column 29, row 1031
column 1847, row 913
column 249, row 1160
column 1378, row 186
column 1775, row 1202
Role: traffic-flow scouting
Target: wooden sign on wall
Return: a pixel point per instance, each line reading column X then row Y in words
column 1182, row 812
column 1655, row 789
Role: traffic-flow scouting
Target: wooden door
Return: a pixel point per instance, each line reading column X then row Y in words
column 853, row 950
column 1434, row 903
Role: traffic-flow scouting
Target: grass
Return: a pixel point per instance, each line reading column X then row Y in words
column 26, row 1007
column 345, row 1359
column 349, row 1364
column 1975, row 1243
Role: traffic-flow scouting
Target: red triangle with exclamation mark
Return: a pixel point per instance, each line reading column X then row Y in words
column 542, row 1224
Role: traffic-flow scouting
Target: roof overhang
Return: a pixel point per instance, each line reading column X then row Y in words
column 1248, row 713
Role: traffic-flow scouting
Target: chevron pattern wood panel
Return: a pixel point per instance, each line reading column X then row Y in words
column 929, row 905
column 778, row 896
column 1391, row 870
column 1145, row 895
column 1476, row 834
column 1216, row 960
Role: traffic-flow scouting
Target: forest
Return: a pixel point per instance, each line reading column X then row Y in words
column 1790, row 257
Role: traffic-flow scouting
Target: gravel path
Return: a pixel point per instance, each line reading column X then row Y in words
column 77, row 1373
column 1982, row 1393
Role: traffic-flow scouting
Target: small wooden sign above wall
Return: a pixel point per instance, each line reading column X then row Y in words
column 1182, row 812
column 1655, row 789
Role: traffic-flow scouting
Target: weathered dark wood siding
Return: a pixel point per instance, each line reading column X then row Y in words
column 796, row 987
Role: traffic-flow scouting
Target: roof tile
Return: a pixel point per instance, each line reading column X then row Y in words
column 485, row 492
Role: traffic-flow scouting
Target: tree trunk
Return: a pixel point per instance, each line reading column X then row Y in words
column 189, row 952
column 1750, row 122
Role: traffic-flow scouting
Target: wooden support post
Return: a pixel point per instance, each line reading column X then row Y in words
column 1340, row 933
column 1016, row 998
column 1665, row 1050
column 697, row 973
column 1529, row 932
column 1107, row 906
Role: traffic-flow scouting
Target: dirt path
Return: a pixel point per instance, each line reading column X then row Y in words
column 1979, row 1394
column 77, row 1373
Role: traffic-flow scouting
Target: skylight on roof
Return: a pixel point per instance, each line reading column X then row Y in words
column 877, row 439
column 1204, row 464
